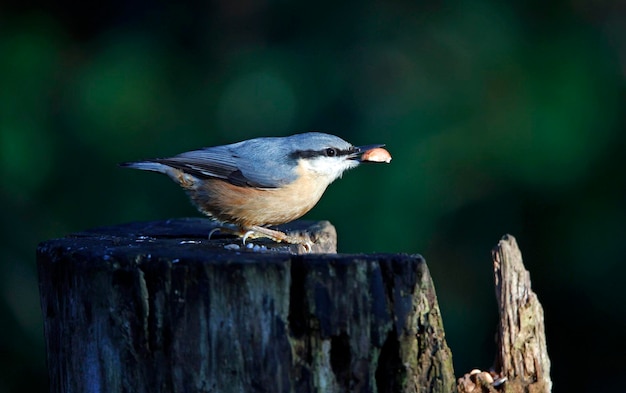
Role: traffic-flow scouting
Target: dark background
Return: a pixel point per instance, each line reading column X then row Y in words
column 501, row 118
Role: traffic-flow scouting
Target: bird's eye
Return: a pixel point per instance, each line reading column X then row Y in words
column 331, row 152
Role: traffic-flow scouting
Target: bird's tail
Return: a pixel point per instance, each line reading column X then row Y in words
column 147, row 166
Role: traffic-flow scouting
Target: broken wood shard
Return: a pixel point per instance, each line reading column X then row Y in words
column 522, row 353
column 522, row 364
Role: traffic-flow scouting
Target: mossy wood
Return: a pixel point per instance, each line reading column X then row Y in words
column 157, row 307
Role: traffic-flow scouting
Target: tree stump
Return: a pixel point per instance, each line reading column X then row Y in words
column 157, row 307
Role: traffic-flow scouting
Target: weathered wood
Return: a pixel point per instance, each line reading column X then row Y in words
column 522, row 364
column 523, row 356
column 157, row 307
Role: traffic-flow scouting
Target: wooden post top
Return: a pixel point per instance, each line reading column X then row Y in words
column 158, row 307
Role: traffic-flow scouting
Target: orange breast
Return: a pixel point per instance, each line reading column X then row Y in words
column 246, row 206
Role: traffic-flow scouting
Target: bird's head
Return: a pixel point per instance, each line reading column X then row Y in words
column 325, row 155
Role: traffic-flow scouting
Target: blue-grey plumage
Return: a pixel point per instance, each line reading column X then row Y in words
column 261, row 181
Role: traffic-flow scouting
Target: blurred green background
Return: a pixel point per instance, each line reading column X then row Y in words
column 501, row 118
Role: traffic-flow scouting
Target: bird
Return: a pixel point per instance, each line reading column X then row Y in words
column 262, row 182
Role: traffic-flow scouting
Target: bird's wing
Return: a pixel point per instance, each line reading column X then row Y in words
column 235, row 165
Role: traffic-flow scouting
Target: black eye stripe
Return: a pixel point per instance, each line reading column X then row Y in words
column 328, row 152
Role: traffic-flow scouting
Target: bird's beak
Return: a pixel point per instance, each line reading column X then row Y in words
column 359, row 150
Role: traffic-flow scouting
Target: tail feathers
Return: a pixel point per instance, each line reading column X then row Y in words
column 146, row 166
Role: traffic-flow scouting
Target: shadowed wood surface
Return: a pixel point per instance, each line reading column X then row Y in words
column 321, row 235
column 157, row 307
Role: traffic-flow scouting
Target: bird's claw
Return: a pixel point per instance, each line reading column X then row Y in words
column 212, row 231
column 279, row 237
column 246, row 236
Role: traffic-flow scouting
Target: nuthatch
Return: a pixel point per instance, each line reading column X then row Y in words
column 263, row 181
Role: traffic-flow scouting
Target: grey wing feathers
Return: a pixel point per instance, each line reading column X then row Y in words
column 237, row 165
column 205, row 163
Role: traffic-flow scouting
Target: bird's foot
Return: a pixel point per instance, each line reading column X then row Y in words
column 256, row 231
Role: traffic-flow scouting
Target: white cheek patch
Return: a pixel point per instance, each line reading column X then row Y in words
column 328, row 167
